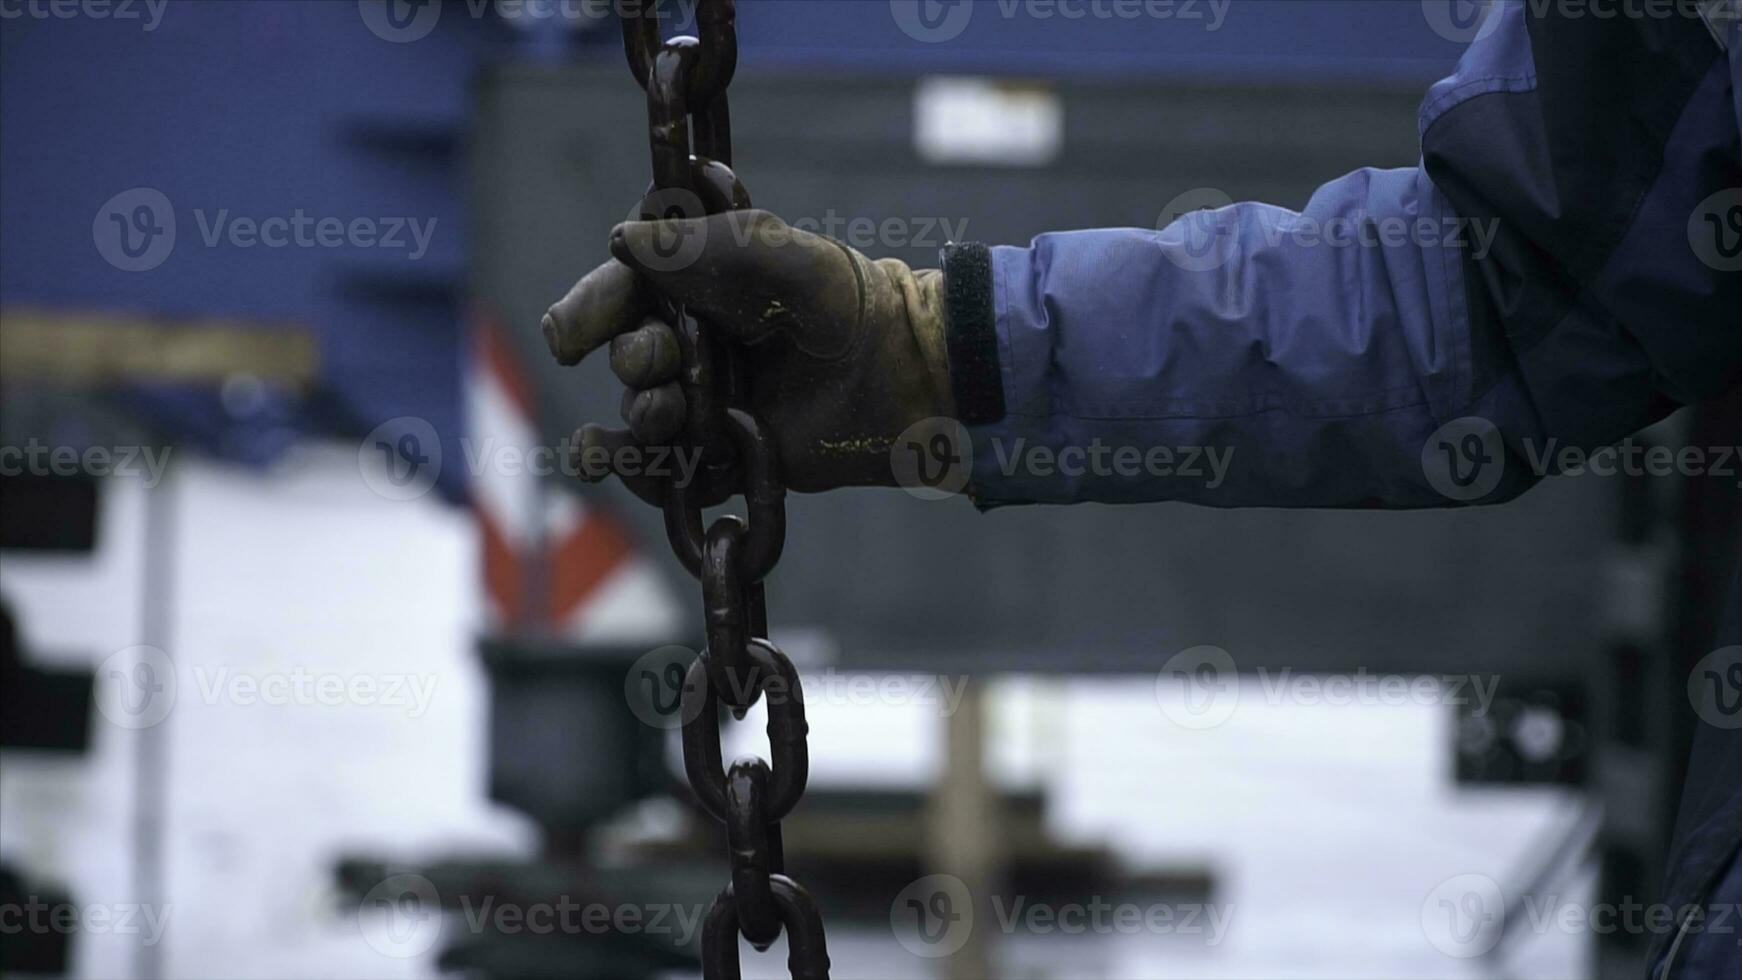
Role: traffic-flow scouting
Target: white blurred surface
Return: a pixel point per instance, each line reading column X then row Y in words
column 1328, row 827
column 301, row 572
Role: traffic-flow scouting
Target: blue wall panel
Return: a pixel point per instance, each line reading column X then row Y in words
column 260, row 109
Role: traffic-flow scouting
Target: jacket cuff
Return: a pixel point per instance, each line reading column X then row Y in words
column 971, row 334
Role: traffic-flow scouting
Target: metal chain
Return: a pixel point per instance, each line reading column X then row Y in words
column 686, row 79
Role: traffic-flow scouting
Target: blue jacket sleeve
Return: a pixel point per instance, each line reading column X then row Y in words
column 1418, row 337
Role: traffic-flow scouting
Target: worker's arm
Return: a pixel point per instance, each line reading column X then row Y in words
column 1414, row 337
column 1537, row 284
column 1276, row 358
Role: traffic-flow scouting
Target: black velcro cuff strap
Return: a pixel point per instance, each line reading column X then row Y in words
column 971, row 334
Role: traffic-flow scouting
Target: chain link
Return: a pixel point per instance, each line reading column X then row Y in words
column 689, row 123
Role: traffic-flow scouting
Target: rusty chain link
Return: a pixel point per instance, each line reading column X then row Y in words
column 690, row 129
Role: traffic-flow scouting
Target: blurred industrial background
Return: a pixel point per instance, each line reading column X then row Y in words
column 314, row 667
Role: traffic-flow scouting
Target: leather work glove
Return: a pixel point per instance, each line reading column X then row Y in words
column 843, row 353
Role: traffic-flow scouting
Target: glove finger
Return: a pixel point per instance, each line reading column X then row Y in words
column 647, row 357
column 609, row 301
column 751, row 273
column 655, row 415
column 597, row 450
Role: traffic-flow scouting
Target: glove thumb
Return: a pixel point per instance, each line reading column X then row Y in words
column 753, row 275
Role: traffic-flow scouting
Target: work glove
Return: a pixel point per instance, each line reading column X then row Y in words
column 844, row 353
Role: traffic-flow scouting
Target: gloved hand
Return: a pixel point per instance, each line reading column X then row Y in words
column 844, row 354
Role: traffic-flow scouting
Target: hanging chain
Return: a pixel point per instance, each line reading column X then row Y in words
column 691, row 134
